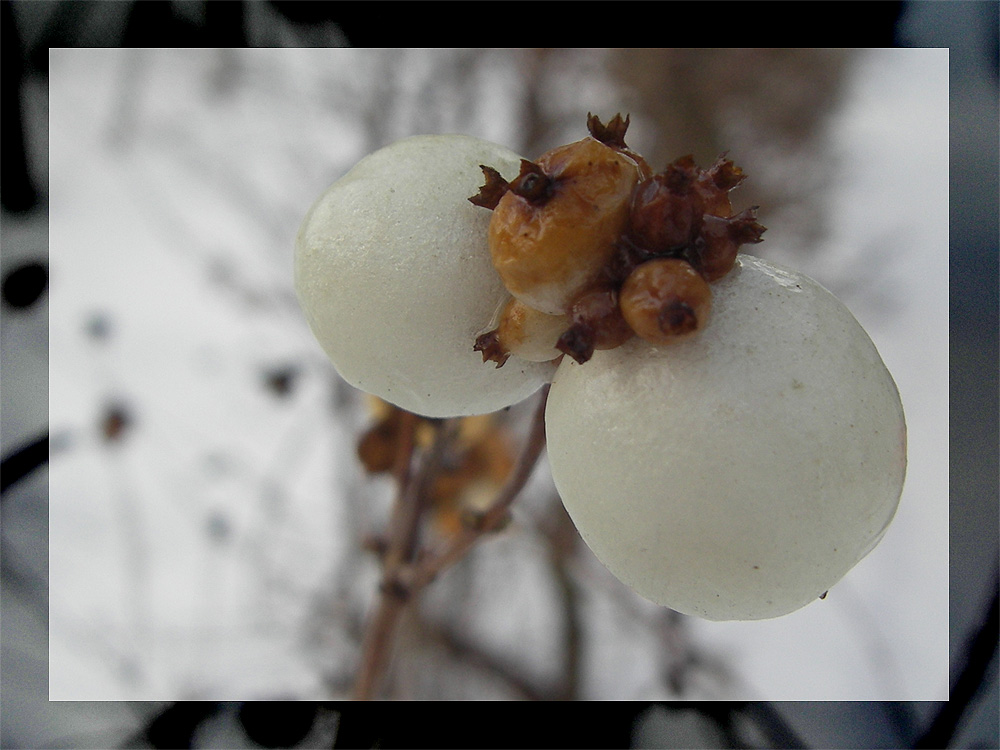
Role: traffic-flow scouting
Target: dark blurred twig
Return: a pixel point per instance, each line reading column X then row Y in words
column 394, row 592
column 979, row 654
column 406, row 568
column 772, row 723
column 497, row 513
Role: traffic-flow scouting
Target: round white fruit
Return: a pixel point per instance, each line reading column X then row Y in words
column 738, row 475
column 393, row 271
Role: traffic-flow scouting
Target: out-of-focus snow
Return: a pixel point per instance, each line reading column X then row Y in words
column 191, row 557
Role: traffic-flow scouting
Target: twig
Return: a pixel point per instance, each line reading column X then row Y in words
column 979, row 654
column 772, row 722
column 405, row 570
column 428, row 568
column 404, row 527
column 561, row 535
column 471, row 653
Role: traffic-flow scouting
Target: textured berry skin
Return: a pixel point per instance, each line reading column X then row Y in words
column 739, row 474
column 393, row 272
column 550, row 248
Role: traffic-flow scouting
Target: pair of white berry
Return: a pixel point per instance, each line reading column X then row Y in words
column 738, row 474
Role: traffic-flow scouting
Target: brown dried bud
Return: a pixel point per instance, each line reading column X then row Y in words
column 578, row 342
column 714, row 254
column 532, row 184
column 492, row 191
column 491, row 348
column 665, row 300
column 725, row 175
column 597, row 324
column 666, row 213
column 612, row 134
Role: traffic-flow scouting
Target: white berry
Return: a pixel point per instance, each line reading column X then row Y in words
column 393, row 271
column 740, row 474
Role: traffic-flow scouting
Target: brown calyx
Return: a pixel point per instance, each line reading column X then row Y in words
column 491, row 348
column 612, row 134
column 533, row 184
column 744, row 227
column 577, row 342
column 597, row 324
column 677, row 319
column 724, row 174
column 492, row 191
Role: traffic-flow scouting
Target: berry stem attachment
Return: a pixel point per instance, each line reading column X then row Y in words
column 532, row 184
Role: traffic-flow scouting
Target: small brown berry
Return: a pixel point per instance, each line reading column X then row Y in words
column 666, row 211
column 665, row 300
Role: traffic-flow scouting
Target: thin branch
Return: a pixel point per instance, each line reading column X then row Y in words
column 473, row 654
column 563, row 538
column 979, row 654
column 429, row 567
column 773, row 723
column 404, row 527
column 405, row 570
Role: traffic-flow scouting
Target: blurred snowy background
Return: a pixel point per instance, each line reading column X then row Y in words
column 206, row 509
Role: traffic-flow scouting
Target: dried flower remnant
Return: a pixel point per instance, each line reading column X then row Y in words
column 573, row 227
column 597, row 324
column 493, row 189
column 471, row 470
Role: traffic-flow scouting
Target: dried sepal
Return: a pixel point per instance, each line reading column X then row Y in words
column 597, row 324
column 489, row 345
column 725, row 174
column 578, row 342
column 492, row 191
column 744, row 227
column 532, row 184
column 612, row 134
column 719, row 241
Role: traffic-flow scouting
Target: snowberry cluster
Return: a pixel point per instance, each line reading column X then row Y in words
column 732, row 468
column 595, row 248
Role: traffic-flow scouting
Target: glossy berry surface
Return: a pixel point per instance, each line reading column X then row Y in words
column 740, row 473
column 393, row 272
